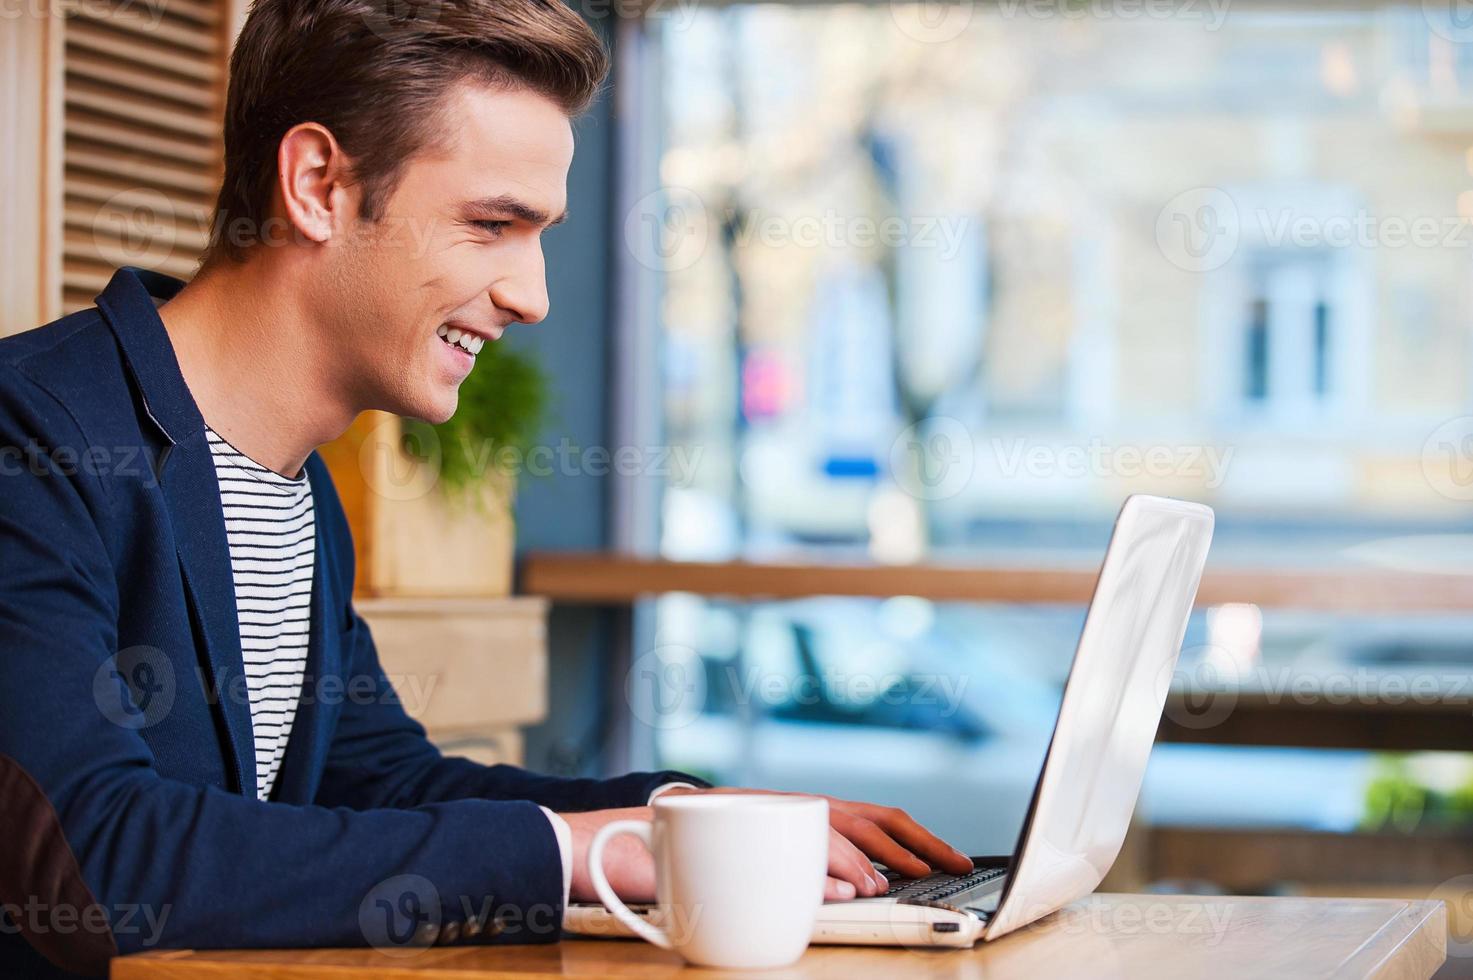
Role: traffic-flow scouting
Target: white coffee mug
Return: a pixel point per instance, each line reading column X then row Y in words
column 739, row 877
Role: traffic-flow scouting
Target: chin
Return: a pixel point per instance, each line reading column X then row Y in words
column 440, row 407
column 435, row 418
column 426, row 405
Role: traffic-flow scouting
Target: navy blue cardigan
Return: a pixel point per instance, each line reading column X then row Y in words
column 128, row 818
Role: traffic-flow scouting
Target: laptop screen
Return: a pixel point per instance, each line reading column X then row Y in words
column 1111, row 708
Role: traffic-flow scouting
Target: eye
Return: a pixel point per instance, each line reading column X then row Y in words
column 493, row 228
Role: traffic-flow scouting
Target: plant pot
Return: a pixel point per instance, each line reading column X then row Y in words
column 411, row 537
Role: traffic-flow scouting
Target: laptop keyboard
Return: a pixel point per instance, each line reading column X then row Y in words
column 940, row 886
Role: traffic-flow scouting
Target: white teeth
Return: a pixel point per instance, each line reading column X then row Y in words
column 464, row 339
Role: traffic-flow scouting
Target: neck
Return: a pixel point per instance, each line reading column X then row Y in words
column 256, row 364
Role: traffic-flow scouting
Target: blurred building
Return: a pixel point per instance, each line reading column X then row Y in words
column 1224, row 259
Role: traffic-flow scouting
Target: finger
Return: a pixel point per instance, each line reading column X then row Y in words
column 918, row 840
column 848, row 863
column 630, row 869
column 873, row 841
column 835, row 890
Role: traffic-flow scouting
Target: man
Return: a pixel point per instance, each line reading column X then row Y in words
column 198, row 747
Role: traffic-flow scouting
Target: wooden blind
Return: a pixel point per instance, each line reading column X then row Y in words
column 142, row 92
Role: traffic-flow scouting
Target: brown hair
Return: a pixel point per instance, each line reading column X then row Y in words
column 374, row 72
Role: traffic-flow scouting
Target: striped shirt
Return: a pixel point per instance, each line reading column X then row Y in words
column 271, row 529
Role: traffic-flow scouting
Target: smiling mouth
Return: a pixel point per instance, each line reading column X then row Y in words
column 462, row 339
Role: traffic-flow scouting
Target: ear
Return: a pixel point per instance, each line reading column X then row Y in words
column 313, row 178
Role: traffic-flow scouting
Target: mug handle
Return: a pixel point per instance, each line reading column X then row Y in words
column 620, row 911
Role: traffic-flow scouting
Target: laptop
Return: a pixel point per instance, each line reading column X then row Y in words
column 1092, row 771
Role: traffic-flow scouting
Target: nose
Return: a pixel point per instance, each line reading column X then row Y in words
column 522, row 289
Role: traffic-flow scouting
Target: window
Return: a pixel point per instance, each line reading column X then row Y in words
column 1287, row 343
column 115, row 110
column 955, row 297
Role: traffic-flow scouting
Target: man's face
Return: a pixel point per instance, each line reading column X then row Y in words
column 457, row 250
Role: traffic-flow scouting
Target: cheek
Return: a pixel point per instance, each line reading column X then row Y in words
column 394, row 300
column 362, row 279
column 467, row 273
column 401, row 296
column 452, row 272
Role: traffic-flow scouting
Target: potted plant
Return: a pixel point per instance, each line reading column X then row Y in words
column 430, row 505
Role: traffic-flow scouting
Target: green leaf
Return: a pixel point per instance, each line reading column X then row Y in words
column 503, row 403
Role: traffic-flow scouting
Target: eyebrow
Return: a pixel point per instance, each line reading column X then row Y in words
column 505, row 204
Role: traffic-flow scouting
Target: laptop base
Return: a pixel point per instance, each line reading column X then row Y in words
column 958, row 921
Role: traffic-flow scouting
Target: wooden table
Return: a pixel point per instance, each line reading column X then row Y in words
column 1100, row 936
column 609, row 578
column 1436, row 718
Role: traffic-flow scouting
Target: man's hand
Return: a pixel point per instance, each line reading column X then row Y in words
column 866, row 832
column 860, row 832
column 628, row 864
column 630, row 867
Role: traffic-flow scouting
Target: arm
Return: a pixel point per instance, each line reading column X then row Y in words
column 381, row 757
column 188, row 865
